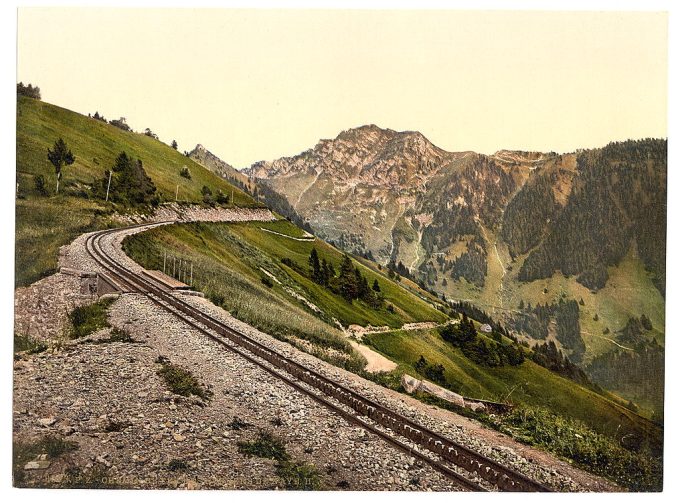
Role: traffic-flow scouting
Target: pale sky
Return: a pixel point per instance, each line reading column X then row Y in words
column 262, row 84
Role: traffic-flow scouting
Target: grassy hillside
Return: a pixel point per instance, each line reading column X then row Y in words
column 247, row 249
column 526, row 384
column 46, row 222
column 239, row 267
column 594, row 430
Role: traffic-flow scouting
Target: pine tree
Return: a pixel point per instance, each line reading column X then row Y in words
column 376, row 286
column 315, row 266
column 129, row 182
column 347, row 279
column 326, row 272
column 59, row 157
column 174, row 144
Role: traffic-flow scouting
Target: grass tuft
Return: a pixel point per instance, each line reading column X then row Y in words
column 23, row 452
column 117, row 335
column 299, row 476
column 24, row 343
column 177, row 465
column 182, row 382
column 90, row 318
column 265, row 445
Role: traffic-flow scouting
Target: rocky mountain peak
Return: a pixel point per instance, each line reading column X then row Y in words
column 206, row 158
column 366, row 154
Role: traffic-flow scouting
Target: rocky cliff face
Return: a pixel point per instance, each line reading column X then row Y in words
column 395, row 194
column 499, row 230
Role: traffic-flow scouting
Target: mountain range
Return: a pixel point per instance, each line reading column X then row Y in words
column 564, row 247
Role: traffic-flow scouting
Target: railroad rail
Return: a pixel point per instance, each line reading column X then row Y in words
column 447, row 453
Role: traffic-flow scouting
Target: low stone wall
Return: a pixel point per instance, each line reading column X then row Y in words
column 196, row 213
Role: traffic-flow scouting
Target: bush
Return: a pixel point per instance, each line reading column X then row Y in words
column 265, row 445
column 222, row 198
column 88, row 319
column 182, row 382
column 207, row 195
column 299, row 476
column 238, row 424
column 433, row 372
column 177, row 465
column 30, row 346
column 216, row 298
column 266, row 281
column 29, row 90
column 40, row 186
column 130, row 184
column 117, row 335
column 184, row 172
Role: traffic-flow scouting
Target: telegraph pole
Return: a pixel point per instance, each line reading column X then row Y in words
column 108, row 186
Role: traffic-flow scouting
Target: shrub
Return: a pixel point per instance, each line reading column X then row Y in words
column 299, row 476
column 29, row 90
column 117, row 335
column 266, row 281
column 265, row 445
column 177, row 465
column 40, row 186
column 433, row 372
column 30, row 346
column 182, row 382
column 184, row 172
column 207, row 195
column 130, row 184
column 222, row 198
column 238, row 424
column 216, row 298
column 88, row 319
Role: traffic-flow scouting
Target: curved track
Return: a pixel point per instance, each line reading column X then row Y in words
column 452, row 459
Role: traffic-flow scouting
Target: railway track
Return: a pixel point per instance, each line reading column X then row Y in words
column 444, row 455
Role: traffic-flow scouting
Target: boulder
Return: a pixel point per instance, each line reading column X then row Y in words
column 409, row 383
column 412, row 385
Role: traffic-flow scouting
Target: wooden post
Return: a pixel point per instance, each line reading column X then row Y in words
column 108, row 186
column 165, row 253
column 191, row 276
column 173, row 267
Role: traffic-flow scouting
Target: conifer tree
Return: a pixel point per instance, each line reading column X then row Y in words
column 59, row 157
